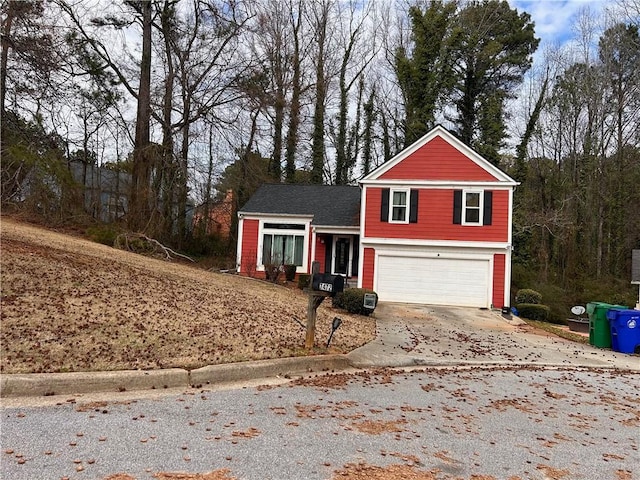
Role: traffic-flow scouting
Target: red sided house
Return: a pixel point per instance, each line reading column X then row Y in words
column 434, row 227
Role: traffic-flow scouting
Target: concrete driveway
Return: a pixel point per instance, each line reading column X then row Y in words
column 435, row 335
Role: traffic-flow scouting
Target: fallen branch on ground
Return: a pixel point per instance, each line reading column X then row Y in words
column 140, row 243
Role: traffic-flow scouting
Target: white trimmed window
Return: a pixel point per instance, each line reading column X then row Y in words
column 283, row 244
column 472, row 207
column 398, row 206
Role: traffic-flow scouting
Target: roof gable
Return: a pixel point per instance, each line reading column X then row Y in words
column 329, row 205
column 439, row 156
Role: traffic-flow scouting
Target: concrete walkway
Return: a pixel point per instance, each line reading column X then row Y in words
column 407, row 335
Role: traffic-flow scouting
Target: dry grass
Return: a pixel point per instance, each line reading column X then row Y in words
column 72, row 305
column 556, row 330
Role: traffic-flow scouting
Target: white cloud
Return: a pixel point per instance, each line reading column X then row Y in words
column 555, row 20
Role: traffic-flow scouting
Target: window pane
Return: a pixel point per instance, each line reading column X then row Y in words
column 277, row 252
column 266, row 249
column 289, row 254
column 473, row 200
column 398, row 214
column 399, row 198
column 472, row 215
column 299, row 250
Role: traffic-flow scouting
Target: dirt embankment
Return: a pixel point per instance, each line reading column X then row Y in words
column 72, row 305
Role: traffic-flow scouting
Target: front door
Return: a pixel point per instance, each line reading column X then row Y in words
column 342, row 256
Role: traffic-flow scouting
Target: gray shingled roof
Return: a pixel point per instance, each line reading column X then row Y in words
column 330, row 205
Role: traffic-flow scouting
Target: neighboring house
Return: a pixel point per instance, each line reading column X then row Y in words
column 434, row 227
column 106, row 192
column 220, row 215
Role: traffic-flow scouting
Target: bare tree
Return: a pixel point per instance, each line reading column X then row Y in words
column 357, row 53
column 320, row 17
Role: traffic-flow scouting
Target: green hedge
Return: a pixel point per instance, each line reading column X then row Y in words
column 527, row 295
column 352, row 300
column 533, row 311
column 290, row 272
column 104, row 234
column 303, row 280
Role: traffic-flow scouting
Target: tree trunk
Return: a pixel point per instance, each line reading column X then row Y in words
column 296, row 91
column 165, row 174
column 4, row 55
column 317, row 146
column 367, row 140
column 140, row 210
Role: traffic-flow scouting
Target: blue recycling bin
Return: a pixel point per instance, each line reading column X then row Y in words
column 625, row 330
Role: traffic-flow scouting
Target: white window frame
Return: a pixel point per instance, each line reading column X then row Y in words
column 480, row 206
column 262, row 231
column 407, row 195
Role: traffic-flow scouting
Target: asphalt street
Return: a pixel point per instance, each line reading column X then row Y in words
column 439, row 423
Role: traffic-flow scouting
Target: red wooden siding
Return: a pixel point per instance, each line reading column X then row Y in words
column 499, row 260
column 321, row 251
column 368, row 266
column 437, row 160
column 435, row 219
column 249, row 246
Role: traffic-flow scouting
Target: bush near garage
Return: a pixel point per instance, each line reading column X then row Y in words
column 527, row 295
column 352, row 300
column 533, row 311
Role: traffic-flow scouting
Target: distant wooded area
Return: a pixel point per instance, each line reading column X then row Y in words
column 146, row 113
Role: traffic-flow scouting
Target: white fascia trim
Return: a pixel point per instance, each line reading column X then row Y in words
column 510, row 222
column 401, row 242
column 441, row 184
column 459, row 255
column 276, row 216
column 363, row 219
column 239, row 246
column 312, row 257
column 337, row 229
column 507, row 278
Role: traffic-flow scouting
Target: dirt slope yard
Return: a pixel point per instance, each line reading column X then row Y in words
column 72, row 305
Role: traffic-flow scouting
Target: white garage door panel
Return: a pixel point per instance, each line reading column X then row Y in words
column 437, row 281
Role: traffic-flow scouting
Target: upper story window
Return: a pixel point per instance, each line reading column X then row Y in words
column 399, row 206
column 472, row 208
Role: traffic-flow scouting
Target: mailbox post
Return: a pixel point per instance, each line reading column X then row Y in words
column 315, row 299
column 320, row 287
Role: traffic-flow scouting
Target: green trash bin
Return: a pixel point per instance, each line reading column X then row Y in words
column 599, row 331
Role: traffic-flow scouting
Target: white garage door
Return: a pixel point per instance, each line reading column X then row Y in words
column 435, row 281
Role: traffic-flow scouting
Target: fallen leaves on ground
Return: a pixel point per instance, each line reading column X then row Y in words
column 221, row 474
column 362, row 471
column 73, row 305
column 553, row 473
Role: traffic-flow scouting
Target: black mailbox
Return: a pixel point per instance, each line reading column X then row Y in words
column 325, row 282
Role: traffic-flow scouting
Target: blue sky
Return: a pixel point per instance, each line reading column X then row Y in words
column 554, row 19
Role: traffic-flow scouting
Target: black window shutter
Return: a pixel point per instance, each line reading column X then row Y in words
column 488, row 208
column 413, row 207
column 457, row 207
column 384, row 209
